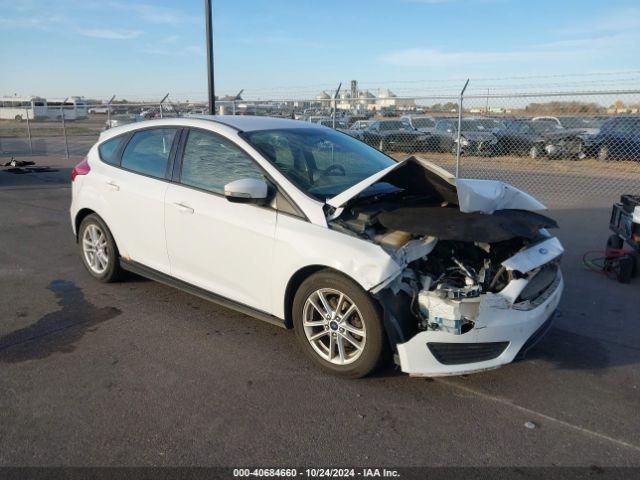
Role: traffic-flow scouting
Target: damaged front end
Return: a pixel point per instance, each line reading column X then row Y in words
column 480, row 274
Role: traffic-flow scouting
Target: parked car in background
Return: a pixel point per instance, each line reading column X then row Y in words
column 303, row 227
column 317, row 118
column 618, row 138
column 560, row 142
column 476, row 136
column 588, row 125
column 394, row 135
column 98, row 110
column 519, row 137
column 420, row 122
column 119, row 120
column 356, row 130
column 548, row 123
column 339, row 125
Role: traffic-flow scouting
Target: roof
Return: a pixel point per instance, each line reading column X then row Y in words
column 248, row 123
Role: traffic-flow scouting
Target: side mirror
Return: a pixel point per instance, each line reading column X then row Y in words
column 246, row 190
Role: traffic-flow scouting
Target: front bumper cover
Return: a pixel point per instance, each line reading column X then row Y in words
column 496, row 323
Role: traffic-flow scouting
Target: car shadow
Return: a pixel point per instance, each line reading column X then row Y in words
column 57, row 331
column 35, row 177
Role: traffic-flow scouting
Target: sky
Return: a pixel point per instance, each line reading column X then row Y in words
column 285, row 48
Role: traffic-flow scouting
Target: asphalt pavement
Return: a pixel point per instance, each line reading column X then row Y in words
column 138, row 373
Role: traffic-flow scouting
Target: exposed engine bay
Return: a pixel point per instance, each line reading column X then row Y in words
column 453, row 260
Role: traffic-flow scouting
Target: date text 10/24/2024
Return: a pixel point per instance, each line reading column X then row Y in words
column 316, row 472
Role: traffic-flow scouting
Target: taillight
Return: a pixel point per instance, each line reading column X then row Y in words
column 80, row 169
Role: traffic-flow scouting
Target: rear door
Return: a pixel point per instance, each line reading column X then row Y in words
column 135, row 193
column 220, row 246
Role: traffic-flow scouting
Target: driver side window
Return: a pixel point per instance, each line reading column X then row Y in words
column 210, row 162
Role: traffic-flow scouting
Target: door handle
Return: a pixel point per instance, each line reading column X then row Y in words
column 113, row 185
column 184, row 208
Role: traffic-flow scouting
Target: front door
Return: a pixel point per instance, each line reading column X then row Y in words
column 223, row 247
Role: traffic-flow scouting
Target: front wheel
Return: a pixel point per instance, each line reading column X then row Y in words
column 338, row 325
column 535, row 152
column 603, row 153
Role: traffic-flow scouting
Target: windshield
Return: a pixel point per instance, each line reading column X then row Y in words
column 423, row 122
column 541, row 126
column 322, row 163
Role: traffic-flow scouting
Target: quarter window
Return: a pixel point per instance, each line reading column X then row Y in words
column 109, row 149
column 148, row 151
column 210, row 162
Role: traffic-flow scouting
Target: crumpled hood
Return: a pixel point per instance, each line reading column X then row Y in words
column 487, row 196
column 482, row 196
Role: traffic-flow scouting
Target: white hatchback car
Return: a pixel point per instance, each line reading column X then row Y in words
column 309, row 228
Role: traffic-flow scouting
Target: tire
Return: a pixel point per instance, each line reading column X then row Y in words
column 535, row 152
column 625, row 269
column 93, row 234
column 338, row 343
column 18, row 118
column 603, row 153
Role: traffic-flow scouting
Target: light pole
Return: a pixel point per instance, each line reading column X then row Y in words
column 209, row 39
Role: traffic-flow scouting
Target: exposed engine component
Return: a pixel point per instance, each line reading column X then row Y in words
column 393, row 239
column 453, row 278
column 447, row 314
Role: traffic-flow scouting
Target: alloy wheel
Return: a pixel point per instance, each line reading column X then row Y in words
column 334, row 326
column 95, row 249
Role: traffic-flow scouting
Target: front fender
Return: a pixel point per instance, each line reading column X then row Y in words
column 300, row 244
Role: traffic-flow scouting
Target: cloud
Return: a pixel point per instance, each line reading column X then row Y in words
column 189, row 51
column 431, row 57
column 109, row 34
column 623, row 19
column 155, row 14
column 169, row 39
column 561, row 49
column 41, row 23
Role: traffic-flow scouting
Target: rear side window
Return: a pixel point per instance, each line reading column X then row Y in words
column 109, row 149
column 148, row 151
column 210, row 162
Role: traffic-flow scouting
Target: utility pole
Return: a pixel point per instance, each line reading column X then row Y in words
column 459, row 128
column 209, row 34
column 335, row 97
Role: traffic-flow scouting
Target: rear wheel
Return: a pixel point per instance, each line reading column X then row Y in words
column 338, row 325
column 98, row 249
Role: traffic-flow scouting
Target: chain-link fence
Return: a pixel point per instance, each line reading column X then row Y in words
column 570, row 148
column 67, row 128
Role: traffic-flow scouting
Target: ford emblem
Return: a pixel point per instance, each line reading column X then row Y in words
column 543, row 251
